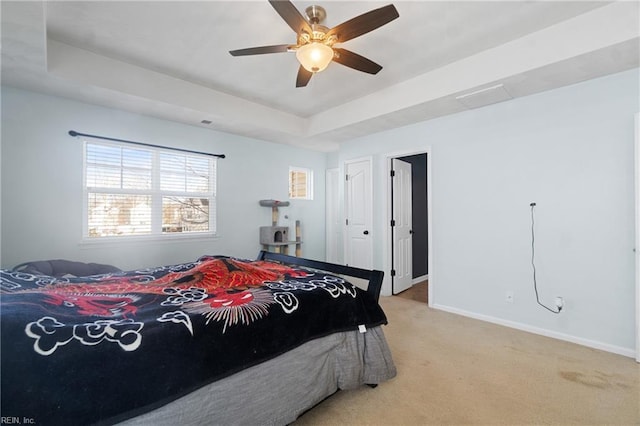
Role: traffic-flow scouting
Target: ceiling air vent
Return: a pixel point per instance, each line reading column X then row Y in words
column 484, row 97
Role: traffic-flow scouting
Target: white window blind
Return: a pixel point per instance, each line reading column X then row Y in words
column 131, row 191
column 300, row 183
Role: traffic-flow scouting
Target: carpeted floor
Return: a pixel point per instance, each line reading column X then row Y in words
column 456, row 370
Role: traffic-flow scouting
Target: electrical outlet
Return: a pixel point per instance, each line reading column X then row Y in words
column 559, row 302
column 509, row 297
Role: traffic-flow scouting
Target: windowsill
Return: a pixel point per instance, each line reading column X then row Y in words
column 135, row 240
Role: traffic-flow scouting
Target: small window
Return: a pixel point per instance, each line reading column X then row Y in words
column 131, row 191
column 300, row 183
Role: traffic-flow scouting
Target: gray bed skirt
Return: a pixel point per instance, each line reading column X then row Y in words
column 278, row 391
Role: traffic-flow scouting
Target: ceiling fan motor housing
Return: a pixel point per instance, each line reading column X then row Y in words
column 315, row 14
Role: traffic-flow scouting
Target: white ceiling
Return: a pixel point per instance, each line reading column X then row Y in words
column 171, row 60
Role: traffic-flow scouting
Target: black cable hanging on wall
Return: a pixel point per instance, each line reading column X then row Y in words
column 533, row 265
column 74, row 134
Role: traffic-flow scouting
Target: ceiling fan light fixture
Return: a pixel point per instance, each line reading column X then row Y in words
column 314, row 56
column 314, row 41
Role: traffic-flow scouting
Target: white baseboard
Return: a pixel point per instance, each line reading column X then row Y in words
column 420, row 279
column 629, row 352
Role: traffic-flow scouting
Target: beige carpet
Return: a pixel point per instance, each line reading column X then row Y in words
column 456, row 370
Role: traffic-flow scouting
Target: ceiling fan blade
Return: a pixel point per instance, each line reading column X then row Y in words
column 353, row 60
column 303, row 77
column 364, row 23
column 260, row 50
column 291, row 16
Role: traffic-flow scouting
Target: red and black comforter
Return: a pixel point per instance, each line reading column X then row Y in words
column 108, row 347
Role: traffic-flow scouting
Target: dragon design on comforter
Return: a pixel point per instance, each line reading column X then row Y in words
column 112, row 346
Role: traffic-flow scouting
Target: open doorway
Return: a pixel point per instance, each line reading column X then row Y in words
column 418, row 256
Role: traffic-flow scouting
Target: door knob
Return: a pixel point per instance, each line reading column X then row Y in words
column 366, row 232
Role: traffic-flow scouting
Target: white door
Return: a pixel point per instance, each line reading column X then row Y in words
column 358, row 214
column 332, row 185
column 402, row 234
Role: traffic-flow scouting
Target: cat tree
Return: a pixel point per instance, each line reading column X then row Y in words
column 276, row 237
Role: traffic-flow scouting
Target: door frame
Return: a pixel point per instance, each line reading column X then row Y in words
column 332, row 193
column 637, row 245
column 345, row 204
column 388, row 200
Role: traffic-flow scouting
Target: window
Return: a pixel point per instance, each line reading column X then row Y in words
column 300, row 183
column 131, row 191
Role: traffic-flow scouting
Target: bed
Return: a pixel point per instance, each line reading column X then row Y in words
column 219, row 340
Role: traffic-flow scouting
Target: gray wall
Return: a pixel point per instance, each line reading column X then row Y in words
column 42, row 184
column 571, row 151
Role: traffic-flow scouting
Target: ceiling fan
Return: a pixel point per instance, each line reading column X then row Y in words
column 314, row 48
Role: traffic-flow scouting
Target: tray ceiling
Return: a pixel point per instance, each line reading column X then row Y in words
column 171, row 60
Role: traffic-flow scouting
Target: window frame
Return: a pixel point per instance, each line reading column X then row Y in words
column 156, row 194
column 309, row 182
